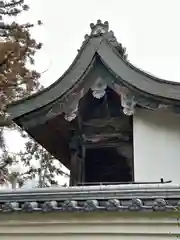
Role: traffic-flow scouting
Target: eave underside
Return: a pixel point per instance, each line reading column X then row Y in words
column 42, row 115
column 96, row 70
column 54, row 135
column 48, row 126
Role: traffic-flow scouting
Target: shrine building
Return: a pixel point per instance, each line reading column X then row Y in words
column 106, row 120
column 117, row 129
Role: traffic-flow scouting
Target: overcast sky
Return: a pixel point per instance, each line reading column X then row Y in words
column 149, row 29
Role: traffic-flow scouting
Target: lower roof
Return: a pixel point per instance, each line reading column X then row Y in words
column 121, row 198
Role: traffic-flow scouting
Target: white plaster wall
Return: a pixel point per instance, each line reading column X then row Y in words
column 156, row 146
column 110, row 229
column 90, row 237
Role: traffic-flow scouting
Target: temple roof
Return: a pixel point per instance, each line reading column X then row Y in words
column 120, row 198
column 100, row 65
column 100, row 44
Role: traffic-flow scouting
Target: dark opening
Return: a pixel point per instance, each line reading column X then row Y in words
column 111, row 160
column 107, row 165
column 91, row 108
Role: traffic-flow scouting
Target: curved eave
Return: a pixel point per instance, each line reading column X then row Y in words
column 61, row 86
column 135, row 77
column 121, row 68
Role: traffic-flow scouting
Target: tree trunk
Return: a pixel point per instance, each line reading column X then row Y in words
column 14, row 183
column 73, row 169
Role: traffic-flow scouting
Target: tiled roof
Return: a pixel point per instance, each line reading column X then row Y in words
column 130, row 197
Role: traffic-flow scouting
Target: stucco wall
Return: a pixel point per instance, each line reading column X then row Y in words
column 156, row 146
column 93, row 228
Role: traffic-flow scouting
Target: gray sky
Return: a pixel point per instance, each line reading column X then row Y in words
column 149, row 29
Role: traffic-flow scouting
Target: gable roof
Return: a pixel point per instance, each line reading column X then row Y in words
column 100, row 44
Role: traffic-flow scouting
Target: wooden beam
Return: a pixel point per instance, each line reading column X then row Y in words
column 104, row 121
column 77, row 169
column 83, row 163
column 73, row 169
column 95, row 138
column 115, row 144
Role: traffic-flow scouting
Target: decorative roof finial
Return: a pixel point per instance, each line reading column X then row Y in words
column 102, row 29
column 99, row 28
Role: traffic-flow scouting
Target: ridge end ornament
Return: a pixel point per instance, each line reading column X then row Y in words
column 99, row 28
